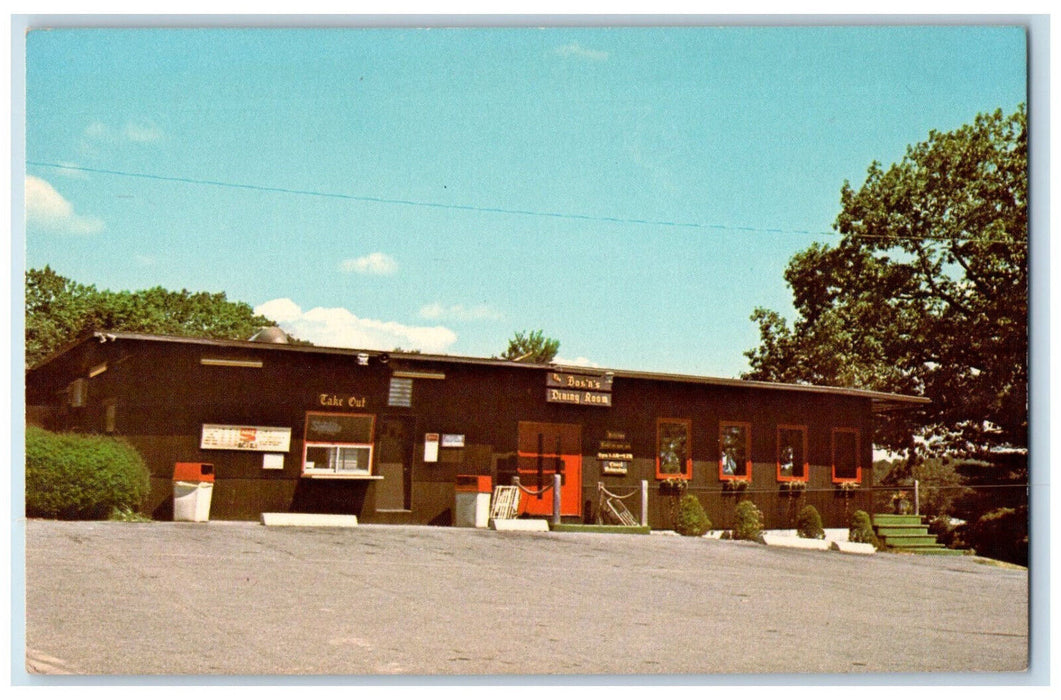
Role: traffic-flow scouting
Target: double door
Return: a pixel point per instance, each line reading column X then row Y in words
column 546, row 449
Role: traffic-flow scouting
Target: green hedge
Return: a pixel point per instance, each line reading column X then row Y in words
column 82, row 477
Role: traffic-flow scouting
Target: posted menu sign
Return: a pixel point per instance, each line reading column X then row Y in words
column 255, row 438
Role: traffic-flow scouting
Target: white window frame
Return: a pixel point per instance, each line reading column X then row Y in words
column 336, row 450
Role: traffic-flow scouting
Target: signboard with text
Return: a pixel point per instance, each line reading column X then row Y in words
column 579, row 389
column 255, row 438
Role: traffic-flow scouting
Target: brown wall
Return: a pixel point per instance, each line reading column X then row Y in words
column 163, row 395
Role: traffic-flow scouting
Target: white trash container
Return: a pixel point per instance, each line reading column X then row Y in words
column 471, row 506
column 193, row 488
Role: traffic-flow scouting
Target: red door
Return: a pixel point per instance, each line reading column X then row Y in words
column 546, row 449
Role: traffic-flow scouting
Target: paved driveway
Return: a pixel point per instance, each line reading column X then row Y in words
column 240, row 598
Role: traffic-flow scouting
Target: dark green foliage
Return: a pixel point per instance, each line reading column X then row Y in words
column 994, row 507
column 531, row 347
column 1000, row 534
column 59, row 311
column 809, row 523
column 81, row 477
column 861, row 529
column 749, row 525
column 691, row 520
column 940, row 482
column 946, row 532
column 925, row 292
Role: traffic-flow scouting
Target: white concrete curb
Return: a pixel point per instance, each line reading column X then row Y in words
column 520, row 525
column 308, row 520
column 854, row 547
column 795, row 542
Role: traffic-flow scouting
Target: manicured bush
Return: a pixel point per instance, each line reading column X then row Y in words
column 749, row 524
column 861, row 529
column 809, row 523
column 82, row 477
column 691, row 520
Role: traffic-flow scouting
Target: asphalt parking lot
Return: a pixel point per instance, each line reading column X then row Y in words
column 111, row 598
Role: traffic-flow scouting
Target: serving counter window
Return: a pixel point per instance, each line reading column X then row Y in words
column 338, row 445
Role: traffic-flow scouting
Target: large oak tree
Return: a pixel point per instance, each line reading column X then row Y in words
column 925, row 292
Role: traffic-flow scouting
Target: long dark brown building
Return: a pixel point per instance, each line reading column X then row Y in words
column 385, row 436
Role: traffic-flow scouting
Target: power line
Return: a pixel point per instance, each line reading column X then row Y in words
column 482, row 209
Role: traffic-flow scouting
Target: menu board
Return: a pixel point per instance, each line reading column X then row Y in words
column 245, row 437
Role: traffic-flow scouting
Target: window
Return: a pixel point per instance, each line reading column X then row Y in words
column 673, row 460
column 734, row 463
column 792, row 453
column 338, row 445
column 846, row 450
column 401, row 392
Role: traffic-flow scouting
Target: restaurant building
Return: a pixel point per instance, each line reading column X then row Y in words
column 386, row 435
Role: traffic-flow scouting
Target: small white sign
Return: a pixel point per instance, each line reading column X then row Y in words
column 272, row 461
column 452, row 440
column 431, row 447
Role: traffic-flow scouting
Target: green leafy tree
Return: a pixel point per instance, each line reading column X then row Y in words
column 531, row 347
column 59, row 310
column 926, row 292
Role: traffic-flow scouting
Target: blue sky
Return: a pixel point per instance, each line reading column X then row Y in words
column 633, row 192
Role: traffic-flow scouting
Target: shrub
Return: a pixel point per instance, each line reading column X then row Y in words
column 1000, row 534
column 82, row 477
column 809, row 523
column 749, row 522
column 861, row 529
column 691, row 520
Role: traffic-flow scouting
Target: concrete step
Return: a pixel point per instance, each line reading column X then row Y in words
column 908, row 540
column 887, row 531
column 893, row 520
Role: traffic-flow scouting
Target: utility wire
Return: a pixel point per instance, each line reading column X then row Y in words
column 482, row 209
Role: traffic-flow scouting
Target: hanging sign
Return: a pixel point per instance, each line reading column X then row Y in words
column 579, row 398
column 579, row 389
column 591, row 382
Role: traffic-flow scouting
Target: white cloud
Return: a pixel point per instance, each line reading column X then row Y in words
column 458, row 312
column 371, row 264
column 136, row 132
column 48, row 209
column 576, row 50
column 338, row 327
column 141, row 132
column 577, row 362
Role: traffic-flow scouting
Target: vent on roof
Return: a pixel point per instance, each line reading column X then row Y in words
column 271, row 334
